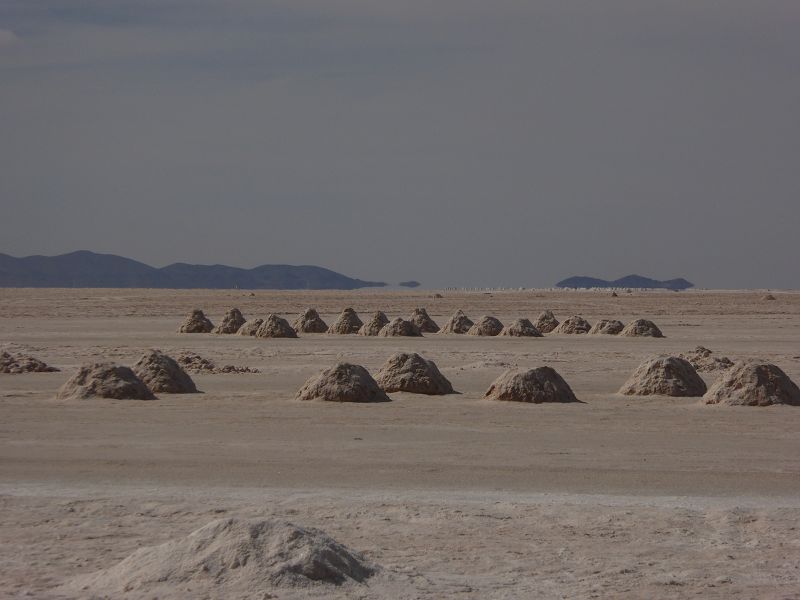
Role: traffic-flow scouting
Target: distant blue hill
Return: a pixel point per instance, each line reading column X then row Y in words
column 631, row 281
column 91, row 270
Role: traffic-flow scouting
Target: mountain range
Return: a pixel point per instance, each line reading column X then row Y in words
column 92, row 270
column 630, row 281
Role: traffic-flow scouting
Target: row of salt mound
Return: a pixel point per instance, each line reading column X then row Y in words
column 403, row 372
column 154, row 372
column 420, row 322
column 746, row 383
column 409, row 372
column 21, row 363
column 546, row 322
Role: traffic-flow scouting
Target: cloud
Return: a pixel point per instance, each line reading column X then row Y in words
column 7, row 38
column 427, row 128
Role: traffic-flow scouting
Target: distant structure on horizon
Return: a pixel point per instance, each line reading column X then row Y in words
column 91, row 270
column 409, row 284
column 630, row 281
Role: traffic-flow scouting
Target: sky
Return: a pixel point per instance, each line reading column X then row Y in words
column 455, row 142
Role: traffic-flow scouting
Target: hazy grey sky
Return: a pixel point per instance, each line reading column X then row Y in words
column 458, row 142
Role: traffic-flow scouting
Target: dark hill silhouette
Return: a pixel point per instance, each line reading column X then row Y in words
column 88, row 269
column 630, row 281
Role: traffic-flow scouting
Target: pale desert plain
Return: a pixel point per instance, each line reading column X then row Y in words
column 451, row 496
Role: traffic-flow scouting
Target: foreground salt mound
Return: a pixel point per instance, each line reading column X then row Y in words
column 310, row 322
column 422, row 320
column 458, row 323
column 665, row 376
column 409, row 372
column 641, row 328
column 542, row 384
column 400, row 328
column 753, row 383
column 162, row 373
column 196, row 322
column 21, row 363
column 343, row 382
column 486, row 325
column 374, row 325
column 573, row 325
column 702, row 359
column 607, row 327
column 546, row 322
column 521, row 328
column 104, row 380
column 195, row 363
column 231, row 558
column 231, row 322
column 275, row 327
column 347, row 323
column 250, row 327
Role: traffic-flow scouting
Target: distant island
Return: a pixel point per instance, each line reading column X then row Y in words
column 91, row 270
column 409, row 284
column 631, row 281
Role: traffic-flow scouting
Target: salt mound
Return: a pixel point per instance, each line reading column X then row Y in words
column 374, row 325
column 546, row 322
column 409, row 372
column 233, row 558
column 573, row 325
column 539, row 385
column 104, row 380
column 458, row 323
column 196, row 322
column 665, row 376
column 607, row 327
column 275, row 327
column 310, row 322
column 197, row 364
column 521, row 328
column 768, row 297
column 342, row 383
column 20, row 363
column 614, row 294
column 751, row 383
column 486, row 325
column 161, row 373
column 421, row 319
column 400, row 327
column 250, row 327
column 231, row 322
column 347, row 323
column 641, row 328
column 702, row 360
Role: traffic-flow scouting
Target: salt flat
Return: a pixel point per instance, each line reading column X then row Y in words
column 453, row 495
